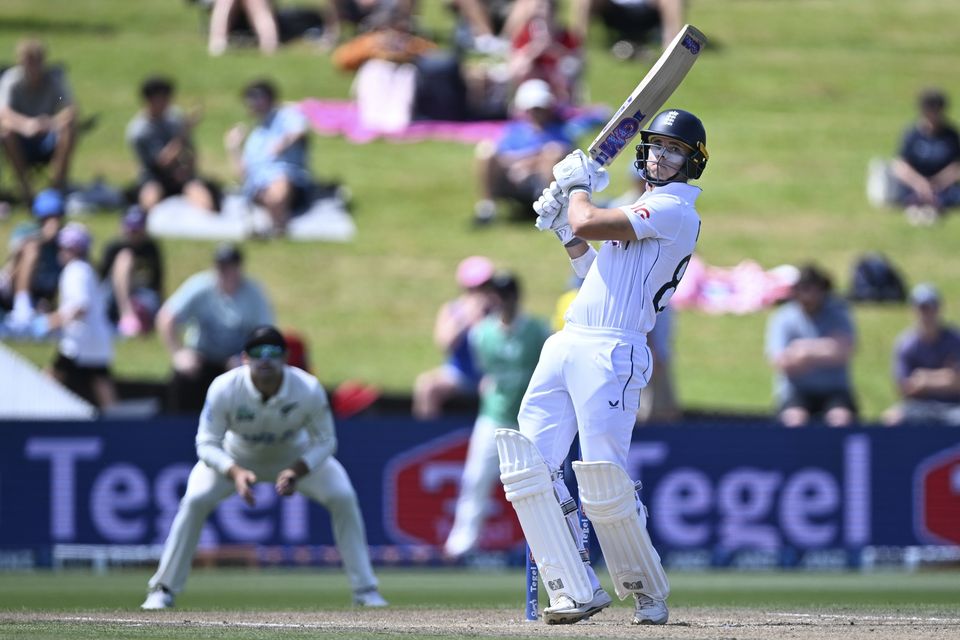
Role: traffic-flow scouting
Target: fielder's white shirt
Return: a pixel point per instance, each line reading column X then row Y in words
column 629, row 282
column 236, row 422
column 87, row 339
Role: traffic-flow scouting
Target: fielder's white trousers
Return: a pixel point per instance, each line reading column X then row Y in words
column 481, row 472
column 328, row 484
column 589, row 378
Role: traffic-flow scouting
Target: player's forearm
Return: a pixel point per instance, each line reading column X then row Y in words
column 590, row 222
column 166, row 328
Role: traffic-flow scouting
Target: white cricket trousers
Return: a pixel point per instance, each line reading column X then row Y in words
column 589, row 378
column 328, row 484
column 481, row 472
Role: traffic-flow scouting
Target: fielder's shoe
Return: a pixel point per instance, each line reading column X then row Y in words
column 369, row 598
column 567, row 611
column 650, row 611
column 158, row 598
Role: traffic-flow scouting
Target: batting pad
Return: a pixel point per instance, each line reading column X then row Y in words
column 528, row 487
column 607, row 497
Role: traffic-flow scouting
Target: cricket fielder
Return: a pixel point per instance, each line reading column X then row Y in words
column 265, row 420
column 590, row 373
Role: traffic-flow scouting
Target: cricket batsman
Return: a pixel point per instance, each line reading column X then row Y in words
column 265, row 421
column 590, row 374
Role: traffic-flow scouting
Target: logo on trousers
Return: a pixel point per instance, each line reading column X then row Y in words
column 633, row 586
column 555, row 584
column 613, row 403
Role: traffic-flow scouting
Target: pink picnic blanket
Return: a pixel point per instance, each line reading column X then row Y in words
column 341, row 117
column 744, row 288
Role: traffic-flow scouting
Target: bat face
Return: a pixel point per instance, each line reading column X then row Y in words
column 655, row 88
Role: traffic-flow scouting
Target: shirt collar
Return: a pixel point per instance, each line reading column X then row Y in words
column 281, row 393
column 682, row 190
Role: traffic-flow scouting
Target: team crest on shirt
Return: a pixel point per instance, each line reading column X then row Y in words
column 641, row 211
column 287, row 408
column 245, row 415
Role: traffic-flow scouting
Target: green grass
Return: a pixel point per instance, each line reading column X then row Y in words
column 797, row 96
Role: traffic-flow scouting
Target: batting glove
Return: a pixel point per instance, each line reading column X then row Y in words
column 579, row 172
column 551, row 204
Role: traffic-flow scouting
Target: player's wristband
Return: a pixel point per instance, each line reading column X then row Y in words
column 579, row 187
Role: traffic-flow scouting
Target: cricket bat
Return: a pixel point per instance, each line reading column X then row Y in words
column 658, row 85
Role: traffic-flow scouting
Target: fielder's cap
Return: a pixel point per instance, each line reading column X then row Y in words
column 532, row 94
column 228, row 254
column 74, row 236
column 135, row 219
column 265, row 335
column 474, row 271
column 47, row 203
column 925, row 294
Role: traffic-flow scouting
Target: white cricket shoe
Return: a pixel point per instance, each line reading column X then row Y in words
column 567, row 611
column 650, row 611
column 158, row 598
column 369, row 598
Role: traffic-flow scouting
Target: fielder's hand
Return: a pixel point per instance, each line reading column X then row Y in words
column 286, row 482
column 243, row 481
column 579, row 171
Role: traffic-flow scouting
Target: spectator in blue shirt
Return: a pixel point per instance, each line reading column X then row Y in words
column 204, row 324
column 519, row 165
column 927, row 167
column 926, row 366
column 272, row 157
column 810, row 342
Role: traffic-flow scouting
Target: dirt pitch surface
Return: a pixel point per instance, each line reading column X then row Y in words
column 686, row 623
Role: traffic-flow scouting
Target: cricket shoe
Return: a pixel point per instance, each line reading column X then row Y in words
column 567, row 611
column 650, row 611
column 158, row 598
column 369, row 598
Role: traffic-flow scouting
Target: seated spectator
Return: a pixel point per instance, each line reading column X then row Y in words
column 485, row 26
column 272, row 157
column 37, row 118
column 259, row 14
column 630, row 23
column 519, row 165
column 809, row 343
column 926, row 366
column 542, row 48
column 85, row 350
column 35, row 270
column 19, row 236
column 389, row 36
column 160, row 137
column 133, row 266
column 927, row 166
column 458, row 375
column 204, row 323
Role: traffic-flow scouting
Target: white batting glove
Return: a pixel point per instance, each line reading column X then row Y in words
column 549, row 206
column 580, row 172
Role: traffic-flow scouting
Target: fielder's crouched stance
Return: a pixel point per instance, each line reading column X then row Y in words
column 590, row 374
column 268, row 421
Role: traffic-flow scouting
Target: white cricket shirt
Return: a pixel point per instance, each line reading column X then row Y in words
column 236, row 422
column 629, row 282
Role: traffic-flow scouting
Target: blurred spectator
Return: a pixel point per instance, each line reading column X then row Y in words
column 133, row 266
column 506, row 345
column 160, row 136
column 204, row 323
column 542, row 48
column 629, row 23
column 85, row 350
column 486, row 26
column 519, row 165
column 926, row 366
column 458, row 375
column 272, row 157
column 389, row 36
column 37, row 117
column 259, row 14
column 359, row 14
column 35, row 268
column 927, row 166
column 19, row 236
column 810, row 342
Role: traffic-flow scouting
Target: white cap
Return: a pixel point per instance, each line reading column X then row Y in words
column 532, row 94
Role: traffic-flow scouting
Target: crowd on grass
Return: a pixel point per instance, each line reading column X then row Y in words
column 519, row 61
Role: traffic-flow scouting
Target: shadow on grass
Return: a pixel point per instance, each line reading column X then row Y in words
column 40, row 25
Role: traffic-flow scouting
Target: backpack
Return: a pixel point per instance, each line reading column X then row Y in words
column 875, row 279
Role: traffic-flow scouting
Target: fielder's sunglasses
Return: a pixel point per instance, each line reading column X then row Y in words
column 262, row 351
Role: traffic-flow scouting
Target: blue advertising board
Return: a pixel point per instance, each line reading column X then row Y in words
column 728, row 494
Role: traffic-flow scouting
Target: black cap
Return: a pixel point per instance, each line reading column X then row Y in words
column 505, row 284
column 228, row 254
column 265, row 334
